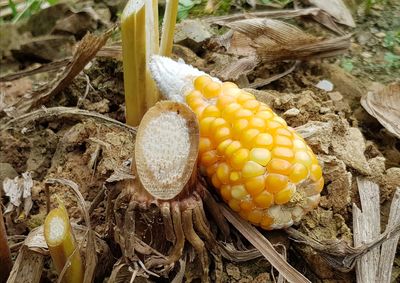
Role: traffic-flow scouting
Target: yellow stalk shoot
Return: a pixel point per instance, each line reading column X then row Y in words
column 61, row 242
column 167, row 37
column 139, row 42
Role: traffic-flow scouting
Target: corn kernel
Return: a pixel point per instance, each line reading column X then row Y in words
column 255, row 185
column 319, row 185
column 239, row 126
column 304, row 158
column 223, row 145
column 264, row 107
column 205, row 125
column 266, row 221
column 234, row 92
column 275, row 182
column 252, row 105
column 298, row 173
column 215, row 181
column 228, row 85
column 223, row 172
column 196, row 102
column 208, row 158
column 201, row 81
column 212, row 169
column 211, row 90
column 245, row 96
column 234, row 204
column 243, row 113
column 284, row 132
column 225, row 100
column 225, row 192
column 232, row 148
column 235, row 177
column 194, row 94
column 238, row 192
column 211, row 111
column 218, row 123
column 264, row 140
column 264, row 200
column 239, row 158
column 252, row 169
column 229, row 111
column 257, row 123
column 260, row 155
column 279, row 166
column 283, row 153
column 315, row 172
column 273, row 125
column 283, row 140
column 199, row 110
column 204, row 145
column 222, row 134
column 299, row 144
column 280, row 120
column 265, row 115
column 246, row 205
column 285, row 195
column 255, row 216
column 248, row 136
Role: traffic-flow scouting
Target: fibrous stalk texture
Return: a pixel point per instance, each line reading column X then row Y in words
column 139, row 31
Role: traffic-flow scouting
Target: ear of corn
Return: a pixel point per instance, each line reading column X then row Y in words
column 61, row 242
column 261, row 167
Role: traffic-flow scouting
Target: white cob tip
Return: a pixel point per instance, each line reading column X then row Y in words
column 173, row 78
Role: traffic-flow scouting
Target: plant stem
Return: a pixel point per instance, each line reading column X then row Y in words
column 138, row 33
column 5, row 255
column 167, row 37
column 62, row 245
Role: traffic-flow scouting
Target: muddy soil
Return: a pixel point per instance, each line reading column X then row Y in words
column 348, row 141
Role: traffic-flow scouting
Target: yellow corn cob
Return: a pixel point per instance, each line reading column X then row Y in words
column 261, row 167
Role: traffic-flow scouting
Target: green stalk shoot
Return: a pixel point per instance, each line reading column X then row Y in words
column 167, row 37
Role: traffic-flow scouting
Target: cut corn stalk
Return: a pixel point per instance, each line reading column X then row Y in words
column 62, row 245
column 139, row 41
column 5, row 255
column 167, row 37
column 261, row 167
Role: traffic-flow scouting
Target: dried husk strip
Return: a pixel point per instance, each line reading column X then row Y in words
column 385, row 107
column 264, row 246
column 274, row 40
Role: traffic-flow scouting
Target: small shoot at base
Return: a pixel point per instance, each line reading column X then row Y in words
column 62, row 245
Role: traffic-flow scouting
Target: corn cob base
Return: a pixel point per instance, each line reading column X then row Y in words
column 261, row 167
column 163, row 206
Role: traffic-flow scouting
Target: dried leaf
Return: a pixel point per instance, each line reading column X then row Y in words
column 18, row 190
column 240, row 67
column 385, row 107
column 274, row 40
column 264, row 246
column 337, row 9
column 85, row 52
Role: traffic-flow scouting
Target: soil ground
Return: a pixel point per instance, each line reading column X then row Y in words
column 349, row 142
